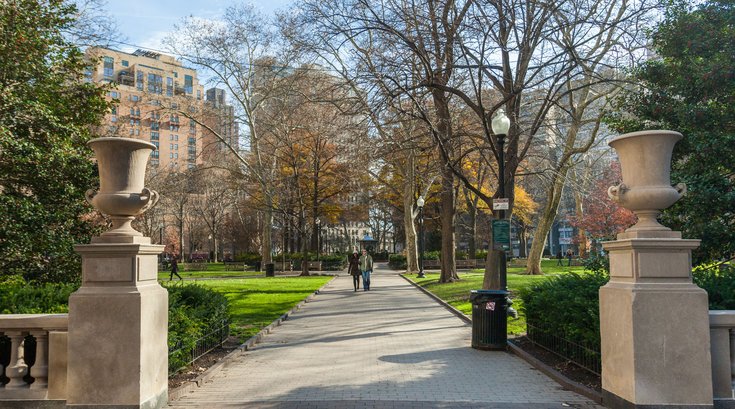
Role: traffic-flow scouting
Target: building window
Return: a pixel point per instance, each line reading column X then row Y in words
column 176, row 155
column 124, row 63
column 154, row 162
column 171, row 155
column 155, row 83
column 139, row 79
column 155, row 136
column 176, row 146
column 114, row 94
column 192, row 141
column 155, row 126
column 176, row 74
column 188, row 84
column 156, row 143
column 169, row 86
column 108, row 67
column 199, row 94
column 113, row 118
column 134, row 98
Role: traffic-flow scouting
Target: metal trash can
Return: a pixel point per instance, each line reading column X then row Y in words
column 270, row 270
column 489, row 319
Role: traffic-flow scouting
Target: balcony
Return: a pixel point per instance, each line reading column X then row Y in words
column 126, row 78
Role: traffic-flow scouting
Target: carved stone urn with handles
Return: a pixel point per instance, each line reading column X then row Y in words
column 645, row 161
column 122, row 196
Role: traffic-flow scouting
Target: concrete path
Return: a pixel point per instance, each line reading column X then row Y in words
column 391, row 347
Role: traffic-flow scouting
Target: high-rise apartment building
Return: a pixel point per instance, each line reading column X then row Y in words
column 152, row 90
column 221, row 119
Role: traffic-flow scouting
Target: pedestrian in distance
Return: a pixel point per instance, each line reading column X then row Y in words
column 570, row 254
column 353, row 269
column 174, row 268
column 366, row 267
column 560, row 258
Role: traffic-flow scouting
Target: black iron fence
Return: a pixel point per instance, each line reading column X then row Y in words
column 181, row 355
column 585, row 356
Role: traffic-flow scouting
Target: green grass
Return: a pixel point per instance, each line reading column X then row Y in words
column 256, row 302
column 457, row 294
column 212, row 270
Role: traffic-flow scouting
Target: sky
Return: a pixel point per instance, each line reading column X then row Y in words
column 145, row 23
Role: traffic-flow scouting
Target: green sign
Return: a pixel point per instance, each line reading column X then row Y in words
column 501, row 234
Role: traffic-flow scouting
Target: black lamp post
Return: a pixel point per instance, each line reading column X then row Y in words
column 501, row 125
column 420, row 205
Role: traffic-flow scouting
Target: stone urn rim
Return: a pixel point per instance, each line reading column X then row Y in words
column 122, row 139
column 647, row 132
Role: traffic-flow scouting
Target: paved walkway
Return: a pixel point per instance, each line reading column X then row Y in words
column 391, row 347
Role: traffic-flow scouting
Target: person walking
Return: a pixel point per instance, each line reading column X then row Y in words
column 174, row 268
column 560, row 258
column 353, row 269
column 366, row 267
column 570, row 254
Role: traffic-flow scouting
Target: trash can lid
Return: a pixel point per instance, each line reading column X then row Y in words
column 489, row 292
column 479, row 296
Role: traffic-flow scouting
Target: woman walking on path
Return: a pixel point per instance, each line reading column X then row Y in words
column 366, row 266
column 354, row 269
column 174, row 268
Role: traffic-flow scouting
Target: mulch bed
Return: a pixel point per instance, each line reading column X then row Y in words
column 564, row 366
column 203, row 363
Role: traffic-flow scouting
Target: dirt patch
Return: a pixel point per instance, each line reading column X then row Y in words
column 203, row 363
column 561, row 365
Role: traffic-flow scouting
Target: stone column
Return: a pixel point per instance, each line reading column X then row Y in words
column 654, row 321
column 118, row 319
column 118, row 324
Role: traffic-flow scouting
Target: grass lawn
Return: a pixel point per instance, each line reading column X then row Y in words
column 212, row 270
column 457, row 294
column 256, row 302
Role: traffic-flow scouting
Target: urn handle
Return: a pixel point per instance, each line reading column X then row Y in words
column 89, row 196
column 150, row 197
column 681, row 188
column 614, row 192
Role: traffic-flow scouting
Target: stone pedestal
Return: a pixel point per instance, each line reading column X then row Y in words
column 654, row 325
column 118, row 323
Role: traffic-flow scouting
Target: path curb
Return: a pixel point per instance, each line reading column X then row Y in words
column 190, row 386
column 552, row 373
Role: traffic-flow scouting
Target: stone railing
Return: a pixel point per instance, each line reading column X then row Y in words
column 33, row 357
column 722, row 340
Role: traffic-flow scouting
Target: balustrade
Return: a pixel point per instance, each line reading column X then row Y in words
column 722, row 340
column 33, row 356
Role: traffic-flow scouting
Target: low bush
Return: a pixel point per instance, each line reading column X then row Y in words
column 19, row 297
column 566, row 305
column 194, row 312
column 397, row 262
column 248, row 258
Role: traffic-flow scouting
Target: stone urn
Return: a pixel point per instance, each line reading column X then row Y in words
column 122, row 196
column 645, row 161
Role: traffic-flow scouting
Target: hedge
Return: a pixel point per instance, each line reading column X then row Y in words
column 193, row 312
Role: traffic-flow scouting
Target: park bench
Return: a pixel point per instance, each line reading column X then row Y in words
column 194, row 266
column 234, row 266
column 432, row 264
column 466, row 264
column 282, row 265
column 315, row 265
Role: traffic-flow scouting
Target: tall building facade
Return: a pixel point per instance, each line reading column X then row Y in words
column 221, row 119
column 152, row 91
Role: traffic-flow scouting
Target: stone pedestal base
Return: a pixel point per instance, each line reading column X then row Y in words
column 118, row 324
column 654, row 327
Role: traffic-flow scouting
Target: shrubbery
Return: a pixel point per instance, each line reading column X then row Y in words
column 19, row 297
column 194, row 311
column 397, row 262
column 567, row 305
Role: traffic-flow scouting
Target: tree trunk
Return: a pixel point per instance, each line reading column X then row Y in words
column 546, row 221
column 448, row 259
column 522, row 241
column 409, row 225
column 472, row 241
column 267, row 234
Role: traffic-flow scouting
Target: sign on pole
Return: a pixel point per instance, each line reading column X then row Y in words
column 501, row 204
column 501, row 235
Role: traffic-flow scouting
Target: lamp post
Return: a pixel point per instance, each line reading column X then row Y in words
column 500, row 125
column 318, row 232
column 420, row 205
